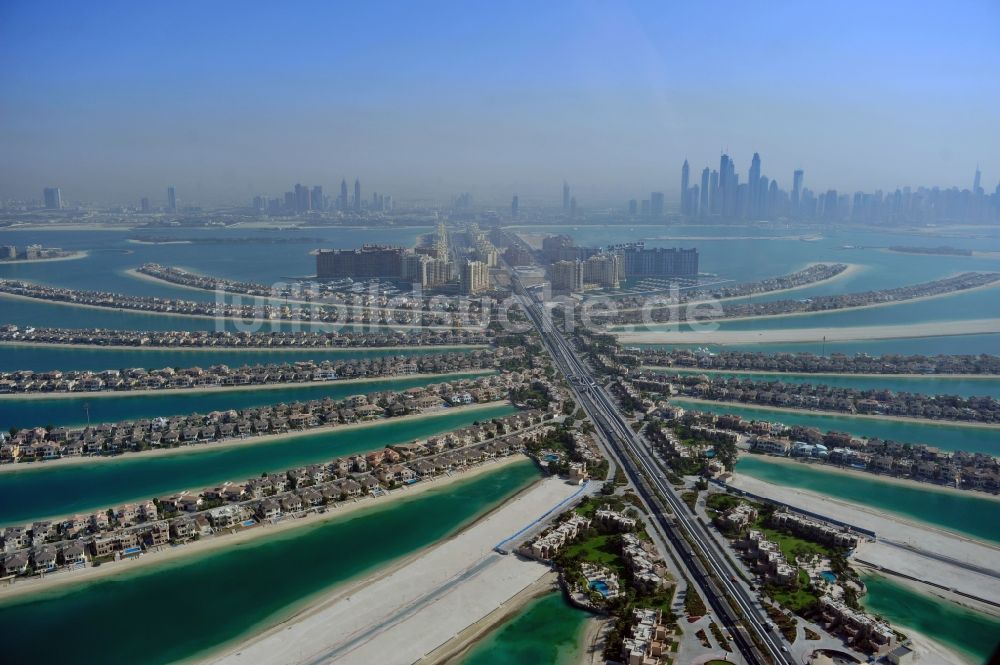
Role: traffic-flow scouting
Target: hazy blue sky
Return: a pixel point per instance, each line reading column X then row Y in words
column 229, row 99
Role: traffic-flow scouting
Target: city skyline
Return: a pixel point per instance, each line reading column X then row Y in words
column 110, row 113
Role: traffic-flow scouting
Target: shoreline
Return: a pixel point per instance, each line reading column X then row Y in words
column 454, row 650
column 234, row 443
column 812, row 335
column 233, row 319
column 860, row 375
column 861, row 416
column 328, row 597
column 202, row 547
column 925, row 646
column 324, row 349
column 81, row 254
column 889, row 480
column 201, row 390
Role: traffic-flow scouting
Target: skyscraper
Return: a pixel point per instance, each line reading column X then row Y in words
column 171, row 199
column 753, row 181
column 316, row 198
column 513, row 207
column 343, row 194
column 715, row 205
column 656, row 203
column 357, row 194
column 565, row 196
column 685, row 182
column 572, row 206
column 52, row 197
column 144, row 204
column 302, row 199
column 796, row 190
column 703, row 204
column 977, row 180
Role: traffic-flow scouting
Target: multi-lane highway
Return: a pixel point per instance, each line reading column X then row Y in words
column 706, row 564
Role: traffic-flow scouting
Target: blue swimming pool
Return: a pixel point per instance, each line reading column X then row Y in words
column 828, row 576
column 600, row 586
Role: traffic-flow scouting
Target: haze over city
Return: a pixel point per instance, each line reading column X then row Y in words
column 581, row 333
column 116, row 102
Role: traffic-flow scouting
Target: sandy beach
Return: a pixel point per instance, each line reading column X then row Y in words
column 413, row 610
column 859, row 416
column 819, row 375
column 453, row 651
column 57, row 581
column 233, row 443
column 257, row 323
column 230, row 389
column 903, row 545
column 72, row 256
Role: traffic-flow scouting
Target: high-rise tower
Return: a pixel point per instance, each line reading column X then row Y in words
column 357, row 194
column 703, row 204
column 565, row 196
column 753, row 182
column 685, row 183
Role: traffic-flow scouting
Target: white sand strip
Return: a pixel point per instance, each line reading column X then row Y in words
column 684, row 335
column 417, row 608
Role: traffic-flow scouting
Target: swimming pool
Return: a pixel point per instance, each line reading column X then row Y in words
column 828, row 576
column 600, row 586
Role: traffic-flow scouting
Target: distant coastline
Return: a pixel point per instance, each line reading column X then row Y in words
column 69, row 256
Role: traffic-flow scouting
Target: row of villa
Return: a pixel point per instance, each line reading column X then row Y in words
column 311, row 290
column 197, row 339
column 957, row 283
column 129, row 436
column 134, row 528
column 834, row 398
column 975, row 471
column 314, row 313
column 804, row 277
column 835, row 363
column 916, row 461
column 305, row 371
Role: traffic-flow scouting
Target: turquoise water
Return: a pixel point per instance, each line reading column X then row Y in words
column 41, row 491
column 47, row 358
column 966, row 512
column 67, row 411
column 932, row 385
column 974, row 635
column 188, row 606
column 548, row 630
column 946, row 437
